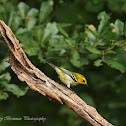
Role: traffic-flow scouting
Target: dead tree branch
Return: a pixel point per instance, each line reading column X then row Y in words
column 39, row 82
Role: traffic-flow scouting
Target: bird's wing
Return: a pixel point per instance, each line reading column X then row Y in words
column 69, row 74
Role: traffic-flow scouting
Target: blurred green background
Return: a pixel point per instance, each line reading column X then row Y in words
column 83, row 36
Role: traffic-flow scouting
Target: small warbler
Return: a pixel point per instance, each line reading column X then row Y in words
column 69, row 78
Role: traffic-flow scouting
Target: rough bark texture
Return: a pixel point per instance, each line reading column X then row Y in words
column 39, row 82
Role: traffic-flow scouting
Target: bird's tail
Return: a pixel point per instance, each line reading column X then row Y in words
column 51, row 64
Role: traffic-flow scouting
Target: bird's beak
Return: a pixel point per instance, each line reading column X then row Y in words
column 86, row 84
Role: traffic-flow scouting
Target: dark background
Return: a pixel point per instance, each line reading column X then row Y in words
column 106, row 85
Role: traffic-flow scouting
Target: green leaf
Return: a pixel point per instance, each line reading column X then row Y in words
column 4, row 65
column 24, row 35
column 38, row 32
column 31, row 21
column 3, row 95
column 58, row 42
column 110, row 52
column 40, row 57
column 119, row 26
column 33, row 13
column 98, row 63
column 115, row 64
column 93, row 56
column 93, row 50
column 92, row 34
column 23, row 9
column 16, row 90
column 76, row 59
column 101, row 43
column 31, row 18
column 51, row 28
column 62, row 30
column 49, row 32
column 104, row 20
column 21, row 31
column 45, row 9
column 5, row 79
column 92, row 37
column 84, row 61
column 14, row 20
column 31, row 47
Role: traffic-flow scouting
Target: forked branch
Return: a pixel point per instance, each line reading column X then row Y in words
column 39, row 82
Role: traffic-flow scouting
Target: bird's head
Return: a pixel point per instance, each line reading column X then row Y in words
column 81, row 79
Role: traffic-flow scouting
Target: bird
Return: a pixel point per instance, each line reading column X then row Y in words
column 67, row 77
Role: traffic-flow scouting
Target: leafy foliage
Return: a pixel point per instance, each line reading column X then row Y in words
column 93, row 47
column 6, row 87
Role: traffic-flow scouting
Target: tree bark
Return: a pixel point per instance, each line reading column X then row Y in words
column 39, row 82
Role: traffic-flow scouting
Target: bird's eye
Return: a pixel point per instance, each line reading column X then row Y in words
column 84, row 81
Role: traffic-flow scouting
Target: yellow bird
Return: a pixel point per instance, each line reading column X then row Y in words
column 69, row 78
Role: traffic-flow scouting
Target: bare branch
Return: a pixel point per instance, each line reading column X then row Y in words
column 39, row 82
